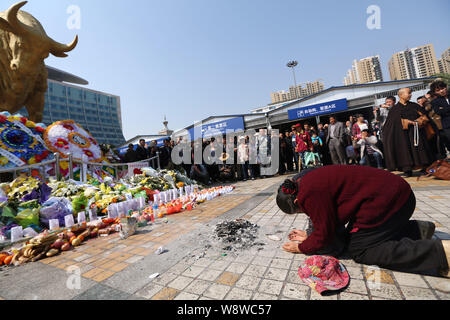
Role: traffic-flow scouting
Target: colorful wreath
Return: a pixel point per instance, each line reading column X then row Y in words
column 66, row 137
column 21, row 141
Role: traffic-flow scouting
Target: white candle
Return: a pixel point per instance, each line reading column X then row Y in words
column 54, row 224
column 69, row 221
column 81, row 217
column 17, row 233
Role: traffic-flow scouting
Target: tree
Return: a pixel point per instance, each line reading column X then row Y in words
column 444, row 77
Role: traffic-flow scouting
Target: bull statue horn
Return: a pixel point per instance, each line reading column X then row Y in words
column 57, row 49
column 11, row 16
column 12, row 24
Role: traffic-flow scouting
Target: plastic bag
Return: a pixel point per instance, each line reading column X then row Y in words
column 7, row 212
column 79, row 204
column 41, row 194
column 127, row 227
column 27, row 217
column 170, row 180
column 3, row 197
column 173, row 210
column 55, row 208
column 150, row 172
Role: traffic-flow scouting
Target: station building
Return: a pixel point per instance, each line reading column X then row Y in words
column 341, row 101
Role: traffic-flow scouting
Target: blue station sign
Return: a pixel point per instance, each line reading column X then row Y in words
column 318, row 109
column 218, row 128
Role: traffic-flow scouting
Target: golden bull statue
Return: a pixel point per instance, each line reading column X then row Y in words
column 24, row 46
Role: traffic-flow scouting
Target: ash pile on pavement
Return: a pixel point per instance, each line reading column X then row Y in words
column 237, row 235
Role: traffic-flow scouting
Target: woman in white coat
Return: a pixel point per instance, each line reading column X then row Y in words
column 368, row 147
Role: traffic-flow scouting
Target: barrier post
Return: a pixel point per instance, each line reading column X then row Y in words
column 70, row 166
column 159, row 163
column 57, row 167
column 84, row 168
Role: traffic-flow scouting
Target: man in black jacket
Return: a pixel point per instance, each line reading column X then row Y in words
column 141, row 151
column 165, row 154
column 441, row 106
column 131, row 155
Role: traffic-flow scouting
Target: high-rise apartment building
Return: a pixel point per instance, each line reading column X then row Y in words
column 297, row 92
column 314, row 87
column 366, row 70
column 280, row 96
column 444, row 62
column 419, row 62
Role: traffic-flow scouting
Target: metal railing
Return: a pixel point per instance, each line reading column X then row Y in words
column 84, row 168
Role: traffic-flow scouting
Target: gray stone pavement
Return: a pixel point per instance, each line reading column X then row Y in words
column 191, row 270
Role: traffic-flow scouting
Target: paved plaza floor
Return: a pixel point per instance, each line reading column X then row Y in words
column 193, row 269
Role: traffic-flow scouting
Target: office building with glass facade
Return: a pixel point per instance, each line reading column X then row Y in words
column 97, row 112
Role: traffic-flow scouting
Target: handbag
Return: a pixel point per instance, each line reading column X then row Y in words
column 405, row 124
column 436, row 119
column 422, row 120
column 425, row 123
column 439, row 169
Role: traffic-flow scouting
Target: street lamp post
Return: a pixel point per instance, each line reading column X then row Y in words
column 292, row 65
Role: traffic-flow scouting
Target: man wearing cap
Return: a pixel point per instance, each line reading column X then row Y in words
column 226, row 171
column 376, row 206
column 304, row 144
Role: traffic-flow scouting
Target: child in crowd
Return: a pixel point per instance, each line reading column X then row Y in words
column 317, row 143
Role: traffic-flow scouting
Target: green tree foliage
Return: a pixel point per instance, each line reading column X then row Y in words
column 444, row 77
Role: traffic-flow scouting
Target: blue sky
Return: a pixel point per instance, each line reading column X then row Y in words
column 190, row 59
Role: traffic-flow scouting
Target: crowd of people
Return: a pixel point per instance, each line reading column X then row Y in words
column 401, row 135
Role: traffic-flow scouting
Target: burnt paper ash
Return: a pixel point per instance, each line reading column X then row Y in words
column 237, row 234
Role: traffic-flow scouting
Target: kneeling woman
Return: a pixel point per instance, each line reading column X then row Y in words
column 376, row 206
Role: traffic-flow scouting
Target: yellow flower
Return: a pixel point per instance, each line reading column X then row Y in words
column 13, row 118
column 30, row 124
column 3, row 161
column 32, row 160
column 64, row 165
